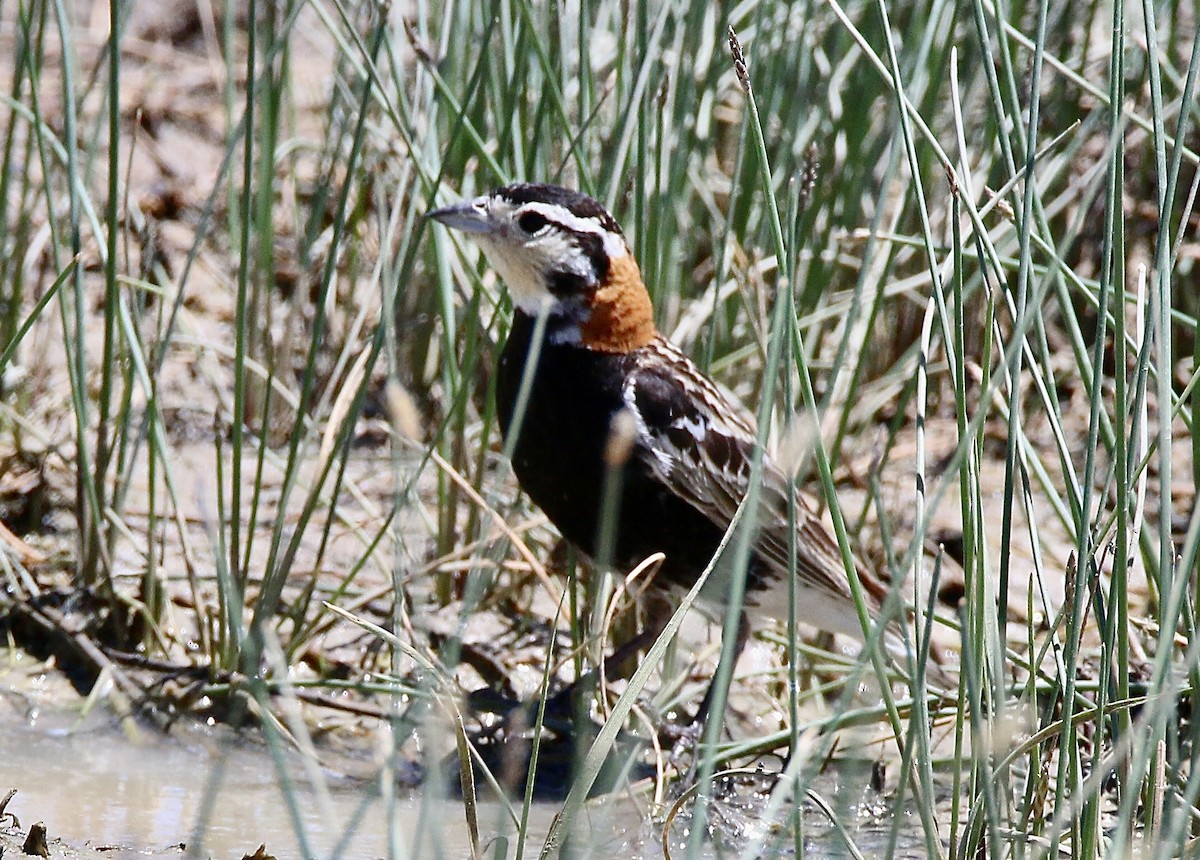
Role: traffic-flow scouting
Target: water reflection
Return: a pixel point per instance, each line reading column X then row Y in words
column 210, row 793
column 93, row 785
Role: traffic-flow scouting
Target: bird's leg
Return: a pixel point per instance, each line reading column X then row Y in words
column 739, row 645
column 685, row 738
column 681, row 735
column 620, row 664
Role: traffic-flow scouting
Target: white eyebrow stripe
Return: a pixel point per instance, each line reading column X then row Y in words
column 566, row 219
column 614, row 243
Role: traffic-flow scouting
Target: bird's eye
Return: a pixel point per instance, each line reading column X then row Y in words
column 531, row 222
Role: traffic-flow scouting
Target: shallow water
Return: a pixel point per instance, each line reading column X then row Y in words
column 94, row 786
column 210, row 793
column 201, row 792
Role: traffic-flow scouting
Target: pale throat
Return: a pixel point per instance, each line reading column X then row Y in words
column 615, row 316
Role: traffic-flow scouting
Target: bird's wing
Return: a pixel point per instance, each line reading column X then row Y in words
column 700, row 445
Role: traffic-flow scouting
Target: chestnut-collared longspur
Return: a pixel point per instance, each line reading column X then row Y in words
column 561, row 254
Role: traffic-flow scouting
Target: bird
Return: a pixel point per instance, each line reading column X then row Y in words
column 582, row 315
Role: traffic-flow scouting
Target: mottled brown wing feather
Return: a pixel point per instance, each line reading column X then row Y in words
column 700, row 444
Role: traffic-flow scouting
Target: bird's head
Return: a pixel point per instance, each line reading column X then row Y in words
column 561, row 253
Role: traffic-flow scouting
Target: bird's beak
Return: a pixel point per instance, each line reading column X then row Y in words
column 468, row 216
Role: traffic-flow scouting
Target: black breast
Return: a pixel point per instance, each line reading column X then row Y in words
column 559, row 457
